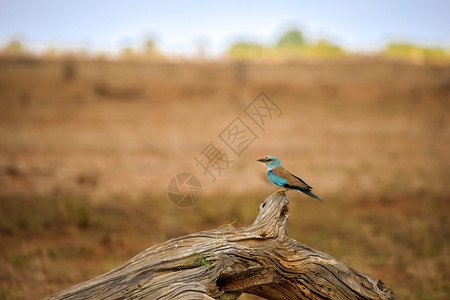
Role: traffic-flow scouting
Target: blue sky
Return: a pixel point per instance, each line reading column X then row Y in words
column 179, row 26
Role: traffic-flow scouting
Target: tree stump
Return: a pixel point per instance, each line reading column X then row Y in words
column 224, row 263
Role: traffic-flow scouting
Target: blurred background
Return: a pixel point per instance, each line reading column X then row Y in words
column 102, row 103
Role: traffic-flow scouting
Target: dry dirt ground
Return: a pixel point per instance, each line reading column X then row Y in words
column 87, row 149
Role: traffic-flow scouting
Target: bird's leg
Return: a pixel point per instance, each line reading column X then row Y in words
column 283, row 190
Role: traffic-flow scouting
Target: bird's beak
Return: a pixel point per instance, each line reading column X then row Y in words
column 262, row 160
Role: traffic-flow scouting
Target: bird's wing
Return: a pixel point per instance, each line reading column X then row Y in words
column 275, row 178
column 292, row 181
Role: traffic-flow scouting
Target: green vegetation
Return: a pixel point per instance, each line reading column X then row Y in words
column 291, row 38
column 204, row 262
column 50, row 214
column 246, row 51
column 291, row 45
column 148, row 51
column 415, row 53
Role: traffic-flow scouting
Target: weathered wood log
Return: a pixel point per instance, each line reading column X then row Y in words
column 222, row 264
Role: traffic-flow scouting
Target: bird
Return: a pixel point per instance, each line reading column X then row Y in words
column 280, row 176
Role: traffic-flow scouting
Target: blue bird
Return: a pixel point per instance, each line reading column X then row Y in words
column 280, row 176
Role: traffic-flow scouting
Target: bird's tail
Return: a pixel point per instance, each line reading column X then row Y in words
column 312, row 195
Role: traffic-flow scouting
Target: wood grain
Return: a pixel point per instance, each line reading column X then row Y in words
column 224, row 263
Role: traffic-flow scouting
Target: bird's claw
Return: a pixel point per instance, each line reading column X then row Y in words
column 282, row 191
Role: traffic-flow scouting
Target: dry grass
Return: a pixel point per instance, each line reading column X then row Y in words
column 87, row 150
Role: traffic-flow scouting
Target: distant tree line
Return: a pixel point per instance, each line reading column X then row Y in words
column 416, row 53
column 147, row 50
column 291, row 45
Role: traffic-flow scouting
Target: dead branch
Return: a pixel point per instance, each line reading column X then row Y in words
column 222, row 264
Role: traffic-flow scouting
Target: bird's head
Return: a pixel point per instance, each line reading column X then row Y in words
column 270, row 161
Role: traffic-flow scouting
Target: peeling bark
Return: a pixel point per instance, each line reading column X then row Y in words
column 224, row 263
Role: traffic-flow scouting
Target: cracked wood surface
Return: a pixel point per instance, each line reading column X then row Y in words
column 224, row 263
